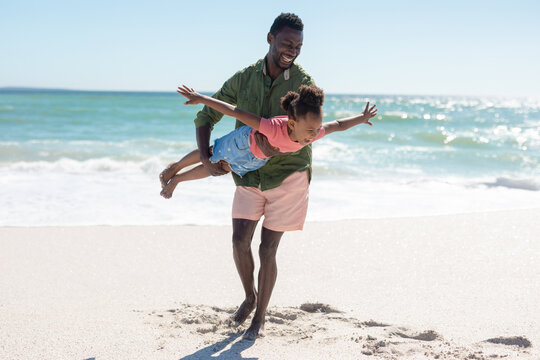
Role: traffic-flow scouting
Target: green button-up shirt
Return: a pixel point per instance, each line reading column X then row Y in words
column 252, row 89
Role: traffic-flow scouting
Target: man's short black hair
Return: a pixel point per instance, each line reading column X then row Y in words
column 286, row 19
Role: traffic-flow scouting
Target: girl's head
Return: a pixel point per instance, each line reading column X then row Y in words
column 304, row 109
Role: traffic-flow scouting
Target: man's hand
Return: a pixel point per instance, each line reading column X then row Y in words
column 205, row 152
column 193, row 97
column 267, row 149
column 215, row 169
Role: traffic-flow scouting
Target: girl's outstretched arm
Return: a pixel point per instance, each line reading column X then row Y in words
column 347, row 123
column 195, row 98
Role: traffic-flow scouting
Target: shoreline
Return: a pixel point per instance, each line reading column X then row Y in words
column 307, row 223
column 89, row 291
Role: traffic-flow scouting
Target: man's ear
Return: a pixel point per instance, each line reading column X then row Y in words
column 270, row 38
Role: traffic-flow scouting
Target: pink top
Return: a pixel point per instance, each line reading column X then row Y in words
column 275, row 130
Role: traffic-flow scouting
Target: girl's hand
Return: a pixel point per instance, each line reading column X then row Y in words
column 369, row 112
column 193, row 97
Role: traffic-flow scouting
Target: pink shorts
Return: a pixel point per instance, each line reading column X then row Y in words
column 284, row 208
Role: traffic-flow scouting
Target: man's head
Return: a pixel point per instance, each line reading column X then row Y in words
column 285, row 39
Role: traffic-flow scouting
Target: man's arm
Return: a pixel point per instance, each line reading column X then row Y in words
column 203, row 143
column 207, row 118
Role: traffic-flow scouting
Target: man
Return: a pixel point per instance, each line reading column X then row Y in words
column 279, row 190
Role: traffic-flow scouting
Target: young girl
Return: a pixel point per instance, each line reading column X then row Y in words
column 238, row 151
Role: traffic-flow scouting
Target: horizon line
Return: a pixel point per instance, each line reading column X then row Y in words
column 23, row 89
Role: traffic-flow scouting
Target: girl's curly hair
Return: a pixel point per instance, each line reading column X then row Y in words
column 307, row 99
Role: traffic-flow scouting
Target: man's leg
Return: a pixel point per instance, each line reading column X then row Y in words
column 267, row 279
column 284, row 210
column 243, row 230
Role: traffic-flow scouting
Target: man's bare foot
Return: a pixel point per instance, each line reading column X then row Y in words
column 168, row 189
column 167, row 174
column 243, row 311
column 255, row 330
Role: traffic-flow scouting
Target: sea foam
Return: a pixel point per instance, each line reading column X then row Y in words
column 69, row 158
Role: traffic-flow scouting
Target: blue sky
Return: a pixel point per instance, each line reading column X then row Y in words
column 377, row 47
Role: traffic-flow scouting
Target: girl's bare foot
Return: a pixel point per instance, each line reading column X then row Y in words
column 167, row 174
column 168, row 189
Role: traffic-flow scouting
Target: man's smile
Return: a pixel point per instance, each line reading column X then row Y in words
column 287, row 59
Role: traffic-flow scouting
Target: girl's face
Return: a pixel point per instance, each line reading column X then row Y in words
column 305, row 128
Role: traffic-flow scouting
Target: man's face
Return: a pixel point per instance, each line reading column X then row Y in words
column 285, row 46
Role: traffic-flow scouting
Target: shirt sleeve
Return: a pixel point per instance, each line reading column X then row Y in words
column 228, row 93
column 269, row 128
column 307, row 80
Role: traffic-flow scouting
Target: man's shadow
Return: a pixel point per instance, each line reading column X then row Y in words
column 234, row 353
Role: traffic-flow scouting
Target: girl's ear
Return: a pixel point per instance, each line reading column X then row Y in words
column 291, row 123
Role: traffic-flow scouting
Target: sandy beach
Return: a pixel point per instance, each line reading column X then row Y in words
column 431, row 287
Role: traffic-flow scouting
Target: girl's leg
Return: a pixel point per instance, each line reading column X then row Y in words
column 190, row 159
column 196, row 173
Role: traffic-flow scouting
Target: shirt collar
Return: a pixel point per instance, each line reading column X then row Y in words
column 286, row 73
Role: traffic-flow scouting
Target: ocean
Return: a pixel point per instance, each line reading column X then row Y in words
column 89, row 158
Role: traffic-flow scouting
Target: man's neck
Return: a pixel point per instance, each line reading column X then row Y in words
column 271, row 68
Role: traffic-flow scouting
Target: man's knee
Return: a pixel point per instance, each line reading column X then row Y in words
column 269, row 243
column 267, row 251
column 240, row 241
column 243, row 230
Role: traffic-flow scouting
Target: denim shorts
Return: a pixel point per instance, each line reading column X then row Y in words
column 234, row 149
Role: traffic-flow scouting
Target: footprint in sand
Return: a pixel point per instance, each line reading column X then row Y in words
column 514, row 340
column 321, row 325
